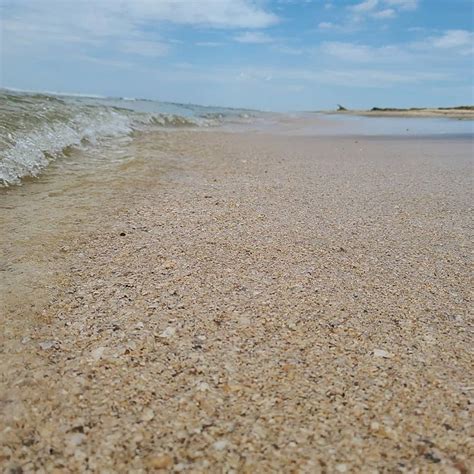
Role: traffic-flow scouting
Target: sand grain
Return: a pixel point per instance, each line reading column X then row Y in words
column 279, row 304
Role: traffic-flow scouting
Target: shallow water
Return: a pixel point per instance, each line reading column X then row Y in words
column 41, row 219
column 39, row 129
column 320, row 124
column 405, row 126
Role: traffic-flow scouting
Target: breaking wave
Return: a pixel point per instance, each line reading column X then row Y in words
column 37, row 128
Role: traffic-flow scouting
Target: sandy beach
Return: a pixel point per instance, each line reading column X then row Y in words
column 242, row 302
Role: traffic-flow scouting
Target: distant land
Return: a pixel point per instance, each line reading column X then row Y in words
column 462, row 112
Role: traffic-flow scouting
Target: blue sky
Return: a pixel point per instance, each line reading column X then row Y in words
column 269, row 54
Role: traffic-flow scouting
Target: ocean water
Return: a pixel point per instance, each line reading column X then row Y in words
column 402, row 126
column 37, row 129
column 41, row 129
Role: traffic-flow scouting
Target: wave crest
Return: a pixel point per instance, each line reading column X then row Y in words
column 36, row 129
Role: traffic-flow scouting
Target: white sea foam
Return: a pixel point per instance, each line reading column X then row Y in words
column 36, row 128
column 35, row 149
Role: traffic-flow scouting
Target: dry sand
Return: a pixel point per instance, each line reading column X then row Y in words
column 269, row 304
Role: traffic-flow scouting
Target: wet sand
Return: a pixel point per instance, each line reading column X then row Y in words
column 242, row 302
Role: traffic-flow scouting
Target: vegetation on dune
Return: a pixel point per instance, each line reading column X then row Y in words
column 460, row 107
column 393, row 109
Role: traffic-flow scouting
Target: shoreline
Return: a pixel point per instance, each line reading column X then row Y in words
column 246, row 302
column 421, row 113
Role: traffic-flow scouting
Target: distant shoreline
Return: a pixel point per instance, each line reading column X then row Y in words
column 460, row 113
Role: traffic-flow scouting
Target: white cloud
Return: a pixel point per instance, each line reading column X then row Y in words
column 214, row 13
column 253, row 37
column 403, row 4
column 325, row 25
column 365, row 6
column 451, row 41
column 347, row 51
column 49, row 24
column 360, row 53
column 381, row 9
column 384, row 14
column 107, row 31
column 344, row 77
column 454, row 39
column 382, row 78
